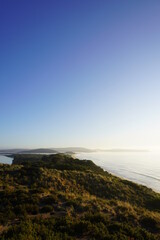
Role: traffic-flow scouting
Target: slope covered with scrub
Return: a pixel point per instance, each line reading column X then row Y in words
column 58, row 197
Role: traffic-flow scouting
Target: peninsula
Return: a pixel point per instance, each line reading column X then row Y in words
column 58, row 197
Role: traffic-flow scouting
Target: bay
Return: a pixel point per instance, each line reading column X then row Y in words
column 6, row 160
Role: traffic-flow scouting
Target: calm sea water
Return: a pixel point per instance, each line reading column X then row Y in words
column 139, row 167
column 4, row 159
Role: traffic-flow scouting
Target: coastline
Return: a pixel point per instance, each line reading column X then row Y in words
column 57, row 186
column 115, row 168
column 112, row 172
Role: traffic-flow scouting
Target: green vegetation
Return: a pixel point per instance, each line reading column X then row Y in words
column 58, row 197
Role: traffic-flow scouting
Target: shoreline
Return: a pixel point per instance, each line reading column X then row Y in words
column 116, row 174
column 121, row 175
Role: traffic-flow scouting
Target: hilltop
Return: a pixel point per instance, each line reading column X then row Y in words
column 58, row 197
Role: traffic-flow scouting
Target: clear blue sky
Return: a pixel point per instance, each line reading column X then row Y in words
column 79, row 73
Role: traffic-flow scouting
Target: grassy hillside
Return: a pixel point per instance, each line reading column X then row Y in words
column 58, row 197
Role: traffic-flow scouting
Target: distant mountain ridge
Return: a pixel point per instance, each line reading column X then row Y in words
column 122, row 150
column 74, row 149
column 65, row 150
column 39, row 150
column 46, row 150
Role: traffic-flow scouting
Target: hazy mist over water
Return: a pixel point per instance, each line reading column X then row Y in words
column 139, row 167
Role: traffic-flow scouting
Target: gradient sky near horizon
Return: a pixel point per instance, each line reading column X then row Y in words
column 80, row 73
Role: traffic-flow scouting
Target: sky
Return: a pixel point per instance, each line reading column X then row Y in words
column 80, row 73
